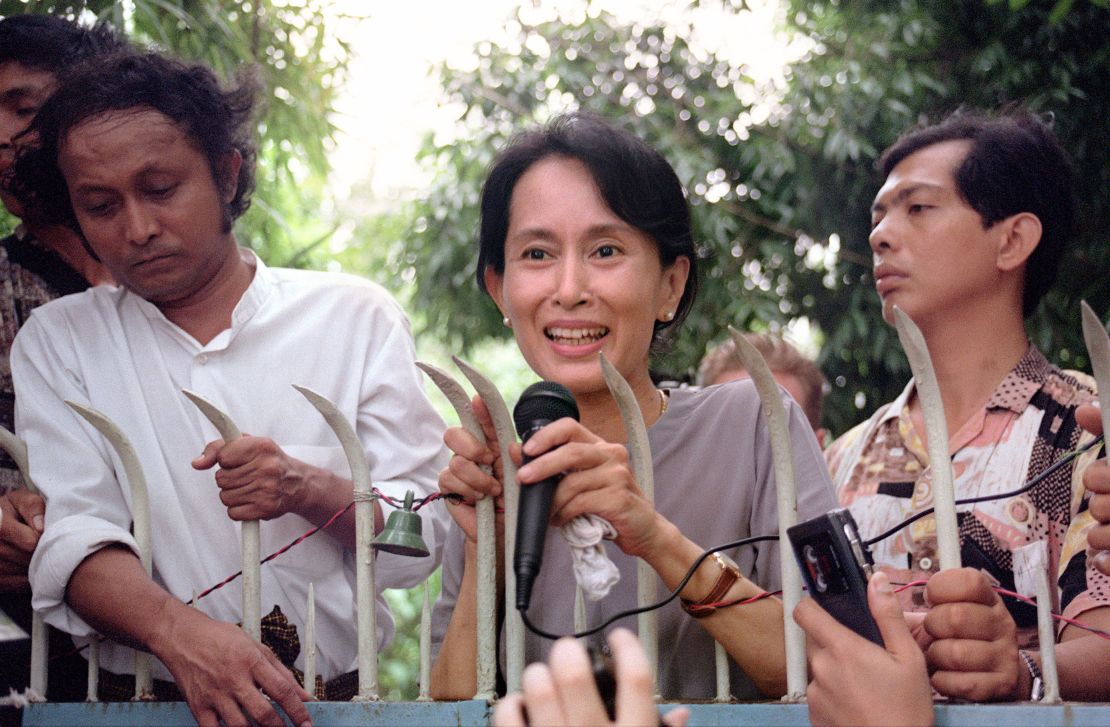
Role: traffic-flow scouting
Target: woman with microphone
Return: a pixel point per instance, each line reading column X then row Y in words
column 586, row 247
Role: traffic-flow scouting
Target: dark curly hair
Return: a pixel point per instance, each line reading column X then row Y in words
column 216, row 120
column 53, row 44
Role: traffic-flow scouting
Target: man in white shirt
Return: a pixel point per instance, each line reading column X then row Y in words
column 157, row 163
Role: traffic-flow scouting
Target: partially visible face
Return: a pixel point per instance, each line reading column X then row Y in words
column 148, row 205
column 787, row 381
column 22, row 91
column 790, row 382
column 932, row 255
column 579, row 280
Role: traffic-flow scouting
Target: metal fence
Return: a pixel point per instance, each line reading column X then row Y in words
column 476, row 711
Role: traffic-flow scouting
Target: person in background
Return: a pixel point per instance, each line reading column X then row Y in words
column 39, row 262
column 152, row 161
column 801, row 377
column 967, row 233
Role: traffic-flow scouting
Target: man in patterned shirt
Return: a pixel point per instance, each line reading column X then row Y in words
column 967, row 233
column 38, row 262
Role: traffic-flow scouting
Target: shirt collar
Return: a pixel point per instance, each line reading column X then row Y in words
column 253, row 297
column 1014, row 392
column 1024, row 380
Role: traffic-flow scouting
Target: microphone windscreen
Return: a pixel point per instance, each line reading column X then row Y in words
column 543, row 401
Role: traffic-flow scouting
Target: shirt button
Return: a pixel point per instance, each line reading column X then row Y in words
column 202, row 358
column 925, row 563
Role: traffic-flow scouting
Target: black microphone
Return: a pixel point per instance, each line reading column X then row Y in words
column 541, row 403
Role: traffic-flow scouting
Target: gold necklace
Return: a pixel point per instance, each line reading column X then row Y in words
column 663, row 399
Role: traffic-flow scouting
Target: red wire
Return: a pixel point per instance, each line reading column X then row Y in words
column 1032, row 602
column 276, row 553
column 381, row 495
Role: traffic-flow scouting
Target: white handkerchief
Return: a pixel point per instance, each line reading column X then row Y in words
column 595, row 573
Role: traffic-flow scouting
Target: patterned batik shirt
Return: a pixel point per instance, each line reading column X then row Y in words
column 881, row 473
column 30, row 275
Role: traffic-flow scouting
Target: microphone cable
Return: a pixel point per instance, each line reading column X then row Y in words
column 1070, row 456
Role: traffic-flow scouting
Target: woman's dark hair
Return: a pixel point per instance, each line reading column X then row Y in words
column 634, row 180
column 215, row 120
column 53, row 44
column 1015, row 164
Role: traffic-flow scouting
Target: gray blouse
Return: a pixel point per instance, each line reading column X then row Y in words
column 714, row 480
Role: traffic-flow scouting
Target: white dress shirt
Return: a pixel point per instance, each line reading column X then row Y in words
column 341, row 336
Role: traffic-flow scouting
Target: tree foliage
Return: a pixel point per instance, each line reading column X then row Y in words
column 300, row 63
column 780, row 180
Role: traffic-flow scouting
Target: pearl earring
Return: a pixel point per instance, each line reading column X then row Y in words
column 668, row 316
column 506, row 321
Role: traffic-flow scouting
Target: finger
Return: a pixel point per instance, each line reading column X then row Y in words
column 915, row 620
column 207, row 458
column 677, row 717
column 450, row 484
column 574, row 684
column 540, row 697
column 485, row 420
column 626, row 511
column 972, row 686
column 228, row 712
column 1102, row 563
column 29, row 507
column 14, row 560
column 967, row 620
column 17, row 535
column 822, row 630
column 969, row 655
column 14, row 584
column 245, row 450
column 205, row 717
column 887, row 612
column 516, row 454
column 278, row 683
column 960, row 584
column 572, row 457
column 611, row 481
column 1099, row 507
column 275, row 662
column 1096, row 478
column 510, row 712
column 259, row 708
column 1090, row 418
column 635, row 688
column 248, row 511
column 472, row 475
column 556, row 434
column 467, row 446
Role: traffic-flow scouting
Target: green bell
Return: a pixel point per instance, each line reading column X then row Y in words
column 402, row 533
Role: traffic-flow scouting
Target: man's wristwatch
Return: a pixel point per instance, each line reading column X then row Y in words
column 1036, row 692
column 730, row 573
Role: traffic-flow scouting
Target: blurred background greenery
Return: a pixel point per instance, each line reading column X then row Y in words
column 780, row 172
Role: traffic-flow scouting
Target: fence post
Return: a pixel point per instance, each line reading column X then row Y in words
column 251, row 534
column 639, row 454
column 140, row 514
column 310, row 641
column 365, row 587
column 40, row 645
column 782, row 458
column 486, row 606
column 506, row 433
column 936, row 431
